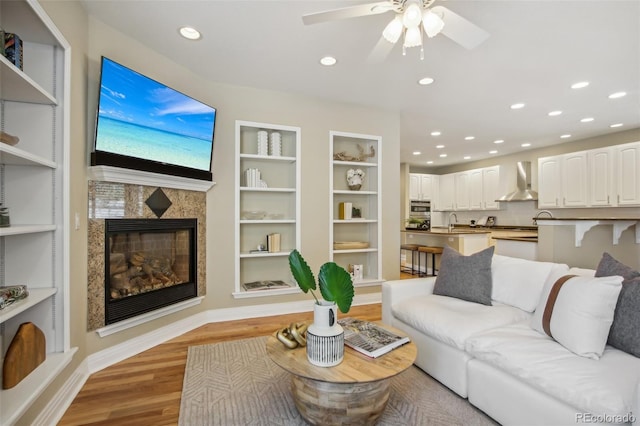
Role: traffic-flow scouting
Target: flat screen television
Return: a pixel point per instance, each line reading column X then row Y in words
column 145, row 125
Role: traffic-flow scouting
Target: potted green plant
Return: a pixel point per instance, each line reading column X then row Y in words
column 334, row 281
column 325, row 337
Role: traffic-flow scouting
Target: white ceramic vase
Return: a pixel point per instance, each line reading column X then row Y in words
column 325, row 337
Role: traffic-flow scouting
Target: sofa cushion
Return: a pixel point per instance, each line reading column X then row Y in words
column 578, row 312
column 625, row 330
column 465, row 277
column 519, row 282
column 599, row 387
column 452, row 320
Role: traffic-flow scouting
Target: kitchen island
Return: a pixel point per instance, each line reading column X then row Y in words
column 466, row 241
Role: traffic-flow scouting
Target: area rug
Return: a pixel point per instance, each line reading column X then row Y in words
column 236, row 383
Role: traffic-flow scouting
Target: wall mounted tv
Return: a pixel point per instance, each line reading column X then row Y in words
column 145, row 125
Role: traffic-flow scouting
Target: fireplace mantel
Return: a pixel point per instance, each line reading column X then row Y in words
column 137, row 177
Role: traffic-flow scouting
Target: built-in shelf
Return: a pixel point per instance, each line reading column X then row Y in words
column 254, row 189
column 19, row 87
column 36, row 295
column 359, row 164
column 582, row 226
column 15, row 156
column 268, row 158
column 15, row 401
column 265, row 254
column 26, row 229
column 266, row 293
column 138, row 177
column 265, row 221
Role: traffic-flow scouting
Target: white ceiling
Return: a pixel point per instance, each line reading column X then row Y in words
column 536, row 50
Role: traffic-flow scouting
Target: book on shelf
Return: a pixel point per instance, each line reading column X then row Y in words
column 265, row 285
column 370, row 339
column 273, row 243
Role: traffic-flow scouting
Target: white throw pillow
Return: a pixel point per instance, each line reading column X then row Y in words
column 582, row 313
column 519, row 282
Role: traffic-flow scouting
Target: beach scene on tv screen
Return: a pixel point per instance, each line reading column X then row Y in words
column 142, row 118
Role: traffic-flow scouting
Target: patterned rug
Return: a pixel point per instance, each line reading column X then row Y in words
column 236, row 383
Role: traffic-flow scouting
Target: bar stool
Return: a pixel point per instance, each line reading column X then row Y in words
column 433, row 251
column 413, row 248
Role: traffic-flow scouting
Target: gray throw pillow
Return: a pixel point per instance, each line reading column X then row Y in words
column 625, row 330
column 465, row 277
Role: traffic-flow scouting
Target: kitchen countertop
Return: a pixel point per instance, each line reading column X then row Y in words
column 532, row 239
column 445, row 231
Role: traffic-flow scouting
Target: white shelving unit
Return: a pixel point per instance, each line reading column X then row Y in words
column 34, row 182
column 279, row 200
column 368, row 199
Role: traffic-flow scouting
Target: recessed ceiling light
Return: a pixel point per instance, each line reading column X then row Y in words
column 469, row 138
column 519, row 105
column 190, row 33
column 493, row 152
column 439, row 146
column 443, row 155
column 580, row 85
column 587, row 120
column 425, row 81
column 328, row 61
column 525, row 145
column 498, row 141
column 554, row 113
column 616, row 125
column 617, row 95
column 436, row 133
column 467, row 157
column 565, row 136
column 416, row 153
column 430, row 162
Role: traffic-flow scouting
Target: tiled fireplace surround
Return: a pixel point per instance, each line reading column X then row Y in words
column 108, row 200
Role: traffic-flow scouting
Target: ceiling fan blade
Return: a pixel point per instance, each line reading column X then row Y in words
column 347, row 12
column 380, row 51
column 459, row 29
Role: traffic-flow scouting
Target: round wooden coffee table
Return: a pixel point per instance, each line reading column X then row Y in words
column 355, row 391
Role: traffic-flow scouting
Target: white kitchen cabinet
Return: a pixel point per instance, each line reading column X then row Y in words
column 274, row 199
column 476, row 185
column 422, row 186
column 601, row 177
column 365, row 227
column 446, row 198
column 574, row 179
column 627, row 158
column 549, row 182
column 492, row 188
column 34, row 185
column 462, row 190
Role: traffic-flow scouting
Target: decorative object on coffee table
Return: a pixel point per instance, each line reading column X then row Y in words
column 354, row 179
column 293, row 336
column 325, row 337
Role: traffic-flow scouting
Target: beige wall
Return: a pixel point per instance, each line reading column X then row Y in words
column 90, row 39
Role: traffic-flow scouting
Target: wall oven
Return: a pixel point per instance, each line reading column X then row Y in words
column 420, row 210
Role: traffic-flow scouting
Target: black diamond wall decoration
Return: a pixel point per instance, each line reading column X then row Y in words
column 158, row 202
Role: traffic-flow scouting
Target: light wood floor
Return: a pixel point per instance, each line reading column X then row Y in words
column 145, row 389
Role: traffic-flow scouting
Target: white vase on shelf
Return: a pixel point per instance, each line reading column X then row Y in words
column 263, row 142
column 275, row 140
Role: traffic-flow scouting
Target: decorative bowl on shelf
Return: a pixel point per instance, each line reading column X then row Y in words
column 253, row 214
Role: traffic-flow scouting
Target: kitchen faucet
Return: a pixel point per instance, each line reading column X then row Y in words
column 451, row 224
column 537, row 216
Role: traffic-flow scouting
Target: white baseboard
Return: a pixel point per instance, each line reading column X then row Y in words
column 56, row 408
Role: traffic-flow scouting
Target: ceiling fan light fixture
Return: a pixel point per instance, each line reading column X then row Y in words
column 413, row 37
column 432, row 23
column 393, row 30
column 412, row 14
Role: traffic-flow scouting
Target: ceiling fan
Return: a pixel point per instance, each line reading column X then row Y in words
column 411, row 17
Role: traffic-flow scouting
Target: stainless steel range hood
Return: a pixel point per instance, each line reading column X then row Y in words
column 523, row 181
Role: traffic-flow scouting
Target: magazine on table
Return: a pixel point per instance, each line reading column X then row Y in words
column 369, row 338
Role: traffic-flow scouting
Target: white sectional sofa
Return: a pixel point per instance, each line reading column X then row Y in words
column 494, row 357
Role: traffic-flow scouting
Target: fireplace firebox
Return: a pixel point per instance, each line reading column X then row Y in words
column 149, row 264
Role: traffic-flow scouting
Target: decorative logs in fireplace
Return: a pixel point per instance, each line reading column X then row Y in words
column 149, row 264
